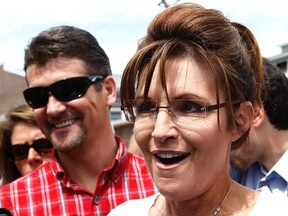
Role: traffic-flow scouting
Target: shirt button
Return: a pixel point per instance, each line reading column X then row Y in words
column 96, row 201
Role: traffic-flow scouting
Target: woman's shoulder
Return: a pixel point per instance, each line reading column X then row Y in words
column 139, row 207
column 268, row 204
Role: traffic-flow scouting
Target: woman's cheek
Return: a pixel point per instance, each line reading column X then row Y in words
column 142, row 136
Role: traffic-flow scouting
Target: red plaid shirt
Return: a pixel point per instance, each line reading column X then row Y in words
column 49, row 191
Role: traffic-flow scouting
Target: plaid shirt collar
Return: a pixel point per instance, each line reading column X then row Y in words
column 116, row 170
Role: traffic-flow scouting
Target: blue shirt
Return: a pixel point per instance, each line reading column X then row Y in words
column 257, row 176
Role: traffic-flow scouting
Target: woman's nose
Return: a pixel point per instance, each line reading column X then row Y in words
column 34, row 158
column 163, row 126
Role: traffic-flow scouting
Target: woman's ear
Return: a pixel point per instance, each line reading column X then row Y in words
column 244, row 117
column 109, row 86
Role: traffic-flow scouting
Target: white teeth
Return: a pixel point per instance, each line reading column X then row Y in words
column 170, row 155
column 64, row 124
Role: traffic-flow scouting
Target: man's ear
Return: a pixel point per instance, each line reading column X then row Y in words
column 259, row 118
column 109, row 86
column 244, row 117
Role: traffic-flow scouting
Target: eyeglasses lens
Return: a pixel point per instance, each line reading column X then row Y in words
column 36, row 97
column 69, row 89
column 20, row 151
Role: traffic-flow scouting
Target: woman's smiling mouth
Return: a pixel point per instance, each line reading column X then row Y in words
column 170, row 158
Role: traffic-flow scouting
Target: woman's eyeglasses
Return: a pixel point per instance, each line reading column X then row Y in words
column 63, row 90
column 183, row 112
column 18, row 152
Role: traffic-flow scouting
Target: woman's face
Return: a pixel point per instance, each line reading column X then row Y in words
column 185, row 160
column 28, row 133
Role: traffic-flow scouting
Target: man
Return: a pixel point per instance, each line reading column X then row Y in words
column 264, row 160
column 71, row 91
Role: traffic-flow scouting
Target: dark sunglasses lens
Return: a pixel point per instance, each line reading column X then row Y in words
column 36, row 97
column 20, row 151
column 42, row 146
column 70, row 89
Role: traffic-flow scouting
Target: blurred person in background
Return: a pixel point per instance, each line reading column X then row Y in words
column 23, row 146
column 263, row 161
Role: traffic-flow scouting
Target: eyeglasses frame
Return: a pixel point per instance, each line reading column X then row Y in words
column 132, row 118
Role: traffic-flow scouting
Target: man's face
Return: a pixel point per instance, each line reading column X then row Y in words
column 68, row 124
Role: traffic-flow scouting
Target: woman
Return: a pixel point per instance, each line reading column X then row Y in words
column 23, row 146
column 192, row 89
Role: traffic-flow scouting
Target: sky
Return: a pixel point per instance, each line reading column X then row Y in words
column 118, row 25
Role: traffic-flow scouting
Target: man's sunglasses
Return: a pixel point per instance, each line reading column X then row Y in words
column 63, row 90
column 20, row 151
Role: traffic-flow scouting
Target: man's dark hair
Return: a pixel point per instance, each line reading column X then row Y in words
column 70, row 42
column 275, row 98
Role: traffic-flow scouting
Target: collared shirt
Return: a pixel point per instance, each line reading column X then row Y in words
column 257, row 176
column 49, row 191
